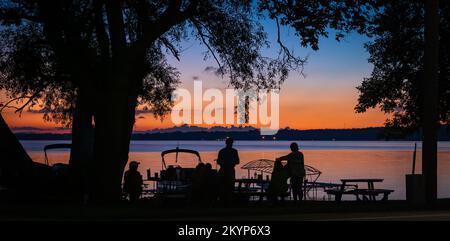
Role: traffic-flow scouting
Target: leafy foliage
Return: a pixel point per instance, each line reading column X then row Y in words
column 396, row 52
column 53, row 50
column 30, row 72
column 314, row 18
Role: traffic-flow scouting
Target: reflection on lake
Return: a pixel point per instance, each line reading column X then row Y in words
column 336, row 159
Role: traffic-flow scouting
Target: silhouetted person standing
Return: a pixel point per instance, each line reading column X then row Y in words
column 133, row 182
column 296, row 170
column 227, row 159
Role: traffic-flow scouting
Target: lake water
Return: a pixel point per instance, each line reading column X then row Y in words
column 335, row 159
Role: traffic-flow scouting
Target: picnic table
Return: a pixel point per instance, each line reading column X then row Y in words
column 247, row 187
column 362, row 194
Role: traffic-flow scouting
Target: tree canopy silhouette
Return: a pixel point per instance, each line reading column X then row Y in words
column 397, row 53
column 90, row 62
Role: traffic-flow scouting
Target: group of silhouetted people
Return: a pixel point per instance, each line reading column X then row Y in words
column 294, row 169
column 208, row 186
column 204, row 185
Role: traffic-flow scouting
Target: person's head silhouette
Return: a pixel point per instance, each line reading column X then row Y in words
column 278, row 166
column 133, row 165
column 229, row 142
column 200, row 166
column 294, row 147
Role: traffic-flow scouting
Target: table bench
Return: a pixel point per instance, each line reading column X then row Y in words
column 365, row 195
column 370, row 194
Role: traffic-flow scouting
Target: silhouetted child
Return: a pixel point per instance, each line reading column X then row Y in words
column 133, row 182
column 278, row 186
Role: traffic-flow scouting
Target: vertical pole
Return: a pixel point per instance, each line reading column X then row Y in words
column 414, row 159
column 430, row 100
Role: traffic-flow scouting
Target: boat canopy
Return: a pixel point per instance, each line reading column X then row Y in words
column 58, row 146
column 176, row 151
column 55, row 146
column 180, row 150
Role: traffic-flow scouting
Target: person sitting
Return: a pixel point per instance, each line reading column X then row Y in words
column 133, row 182
column 211, row 185
column 198, row 184
column 170, row 174
column 278, row 186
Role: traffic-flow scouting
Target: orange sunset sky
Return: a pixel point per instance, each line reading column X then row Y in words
column 324, row 98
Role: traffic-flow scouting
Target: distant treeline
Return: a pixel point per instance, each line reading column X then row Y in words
column 363, row 134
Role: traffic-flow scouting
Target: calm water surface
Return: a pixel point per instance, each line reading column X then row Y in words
column 336, row 159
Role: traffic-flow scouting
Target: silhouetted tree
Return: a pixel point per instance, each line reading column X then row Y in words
column 18, row 172
column 411, row 57
column 51, row 59
column 397, row 54
column 430, row 103
column 12, row 150
column 95, row 61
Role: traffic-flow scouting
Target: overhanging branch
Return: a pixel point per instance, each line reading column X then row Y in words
column 289, row 58
column 205, row 42
column 30, row 98
column 172, row 16
column 171, row 48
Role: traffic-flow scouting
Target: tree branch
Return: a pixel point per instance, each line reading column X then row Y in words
column 19, row 109
column 172, row 16
column 116, row 26
column 202, row 38
column 290, row 59
column 15, row 14
column 100, row 30
column 171, row 48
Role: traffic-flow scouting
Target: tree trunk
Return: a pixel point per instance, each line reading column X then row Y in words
column 14, row 162
column 81, row 154
column 114, row 120
column 430, row 100
column 24, row 178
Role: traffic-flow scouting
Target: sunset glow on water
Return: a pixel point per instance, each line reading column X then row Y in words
column 336, row 159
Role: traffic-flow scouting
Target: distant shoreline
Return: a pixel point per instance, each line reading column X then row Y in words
column 361, row 134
